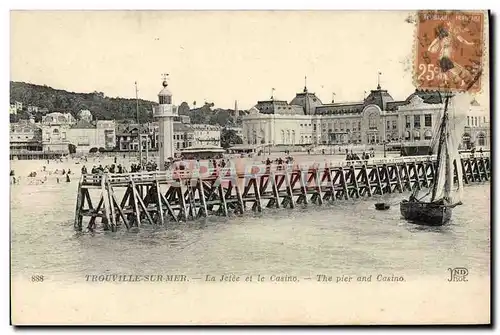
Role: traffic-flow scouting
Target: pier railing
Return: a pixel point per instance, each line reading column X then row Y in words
column 180, row 195
column 250, row 170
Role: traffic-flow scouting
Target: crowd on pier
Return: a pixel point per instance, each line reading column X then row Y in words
column 150, row 167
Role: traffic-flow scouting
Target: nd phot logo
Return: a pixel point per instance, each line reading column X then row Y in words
column 458, row 274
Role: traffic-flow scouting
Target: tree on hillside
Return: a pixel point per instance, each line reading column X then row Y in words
column 228, row 138
column 102, row 107
column 183, row 108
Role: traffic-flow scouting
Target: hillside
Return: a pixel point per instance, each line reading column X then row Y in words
column 101, row 106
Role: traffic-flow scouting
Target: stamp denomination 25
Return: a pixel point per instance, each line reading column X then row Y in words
column 449, row 50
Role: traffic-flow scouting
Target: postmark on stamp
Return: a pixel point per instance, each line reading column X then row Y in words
column 449, row 50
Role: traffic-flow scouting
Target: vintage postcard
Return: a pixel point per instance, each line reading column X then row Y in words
column 250, row 167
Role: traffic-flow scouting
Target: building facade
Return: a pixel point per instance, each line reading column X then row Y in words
column 86, row 135
column 55, row 128
column 205, row 135
column 375, row 120
column 25, row 136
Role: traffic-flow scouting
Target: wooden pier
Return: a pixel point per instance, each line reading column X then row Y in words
column 168, row 197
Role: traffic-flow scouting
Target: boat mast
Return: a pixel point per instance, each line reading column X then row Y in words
column 442, row 137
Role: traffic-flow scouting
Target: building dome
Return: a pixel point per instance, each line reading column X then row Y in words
column 165, row 92
column 308, row 101
column 379, row 97
column 165, row 96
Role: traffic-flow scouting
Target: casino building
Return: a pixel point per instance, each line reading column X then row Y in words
column 378, row 118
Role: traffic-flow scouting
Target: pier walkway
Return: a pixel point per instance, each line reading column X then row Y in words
column 162, row 197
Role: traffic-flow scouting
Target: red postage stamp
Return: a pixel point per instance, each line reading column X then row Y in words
column 449, row 50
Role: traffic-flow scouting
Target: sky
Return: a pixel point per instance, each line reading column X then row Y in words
column 218, row 57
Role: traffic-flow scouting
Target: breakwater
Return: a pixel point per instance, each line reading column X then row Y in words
column 164, row 197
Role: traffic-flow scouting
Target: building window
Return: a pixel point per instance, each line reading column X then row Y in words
column 416, row 135
column 484, row 119
column 407, row 135
column 394, row 124
column 341, row 126
column 428, row 120
column 481, row 140
column 416, row 121
column 165, row 100
column 388, row 124
column 475, row 121
column 408, row 121
column 468, row 120
column 359, row 125
column 372, row 122
column 428, row 135
column 314, row 127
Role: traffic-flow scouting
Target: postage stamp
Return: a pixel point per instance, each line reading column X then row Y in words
column 449, row 50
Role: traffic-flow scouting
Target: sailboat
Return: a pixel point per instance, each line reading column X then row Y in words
column 437, row 211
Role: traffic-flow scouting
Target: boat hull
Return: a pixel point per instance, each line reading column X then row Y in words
column 426, row 213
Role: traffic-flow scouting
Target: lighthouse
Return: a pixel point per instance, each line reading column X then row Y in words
column 165, row 114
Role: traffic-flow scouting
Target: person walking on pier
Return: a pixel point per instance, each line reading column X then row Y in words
column 84, row 169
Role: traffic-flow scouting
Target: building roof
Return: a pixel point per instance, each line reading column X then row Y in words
column 379, row 97
column 429, row 96
column 83, row 124
column 24, row 126
column 340, row 108
column 123, row 128
column 178, row 127
column 165, row 91
column 308, row 101
column 278, row 107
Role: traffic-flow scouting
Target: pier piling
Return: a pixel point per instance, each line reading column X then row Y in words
column 168, row 197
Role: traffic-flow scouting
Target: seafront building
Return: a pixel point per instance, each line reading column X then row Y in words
column 304, row 121
column 25, row 137
column 378, row 118
column 86, row 135
column 206, row 135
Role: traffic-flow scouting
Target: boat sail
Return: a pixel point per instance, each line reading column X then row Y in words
column 447, row 186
